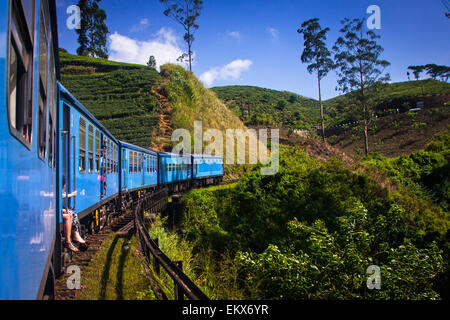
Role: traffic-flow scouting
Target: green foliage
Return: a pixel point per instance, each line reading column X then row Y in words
column 118, row 95
column 319, row 264
column 186, row 14
column 281, row 107
column 425, row 173
column 340, row 109
column 93, row 30
column 311, row 231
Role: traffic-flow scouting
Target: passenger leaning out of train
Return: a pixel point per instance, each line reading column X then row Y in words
column 71, row 224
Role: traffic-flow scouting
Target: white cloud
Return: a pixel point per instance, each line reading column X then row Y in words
column 164, row 46
column 274, row 33
column 231, row 71
column 234, row 34
column 140, row 27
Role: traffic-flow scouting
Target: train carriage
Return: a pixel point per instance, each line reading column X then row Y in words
column 138, row 168
column 28, row 95
column 207, row 169
column 174, row 170
column 89, row 158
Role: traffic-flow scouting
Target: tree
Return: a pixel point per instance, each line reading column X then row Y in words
column 416, row 70
column 447, row 7
column 408, row 75
column 437, row 71
column 93, row 30
column 186, row 13
column 357, row 57
column 151, row 62
column 317, row 55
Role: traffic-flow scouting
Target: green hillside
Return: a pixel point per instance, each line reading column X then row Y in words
column 141, row 106
column 400, row 95
column 119, row 95
column 259, row 106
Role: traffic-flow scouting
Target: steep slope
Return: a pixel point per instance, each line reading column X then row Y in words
column 396, row 134
column 143, row 107
column 119, row 95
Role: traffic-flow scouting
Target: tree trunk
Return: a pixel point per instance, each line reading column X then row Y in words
column 321, row 109
column 366, row 138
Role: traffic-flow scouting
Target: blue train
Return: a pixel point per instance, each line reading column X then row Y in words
column 46, row 138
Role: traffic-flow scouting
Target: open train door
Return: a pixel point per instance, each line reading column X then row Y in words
column 68, row 161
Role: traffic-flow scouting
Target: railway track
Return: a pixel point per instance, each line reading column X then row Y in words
column 131, row 222
column 83, row 258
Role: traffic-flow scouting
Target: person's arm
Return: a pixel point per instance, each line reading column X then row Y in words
column 71, row 195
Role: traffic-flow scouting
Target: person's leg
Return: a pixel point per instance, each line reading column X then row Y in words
column 76, row 229
column 68, row 231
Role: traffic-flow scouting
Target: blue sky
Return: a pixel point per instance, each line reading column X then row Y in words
column 255, row 42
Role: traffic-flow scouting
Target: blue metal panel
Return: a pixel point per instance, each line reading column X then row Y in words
column 207, row 166
column 173, row 168
column 88, row 184
column 27, row 193
column 136, row 180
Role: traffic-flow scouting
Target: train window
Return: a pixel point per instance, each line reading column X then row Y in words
column 42, row 125
column 97, row 151
column 108, row 156
column 91, row 149
column 131, row 162
column 140, row 163
column 43, row 78
column 115, row 159
column 50, row 139
column 82, row 145
column 111, row 156
column 52, row 109
column 21, row 71
column 135, row 162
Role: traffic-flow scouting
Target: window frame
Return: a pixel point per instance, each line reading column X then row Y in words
column 90, row 149
column 24, row 38
column 82, row 169
column 98, row 151
column 43, row 79
column 130, row 162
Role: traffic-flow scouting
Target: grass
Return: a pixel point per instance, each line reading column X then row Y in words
column 217, row 280
column 116, row 273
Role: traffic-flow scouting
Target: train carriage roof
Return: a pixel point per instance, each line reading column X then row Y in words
column 137, row 148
